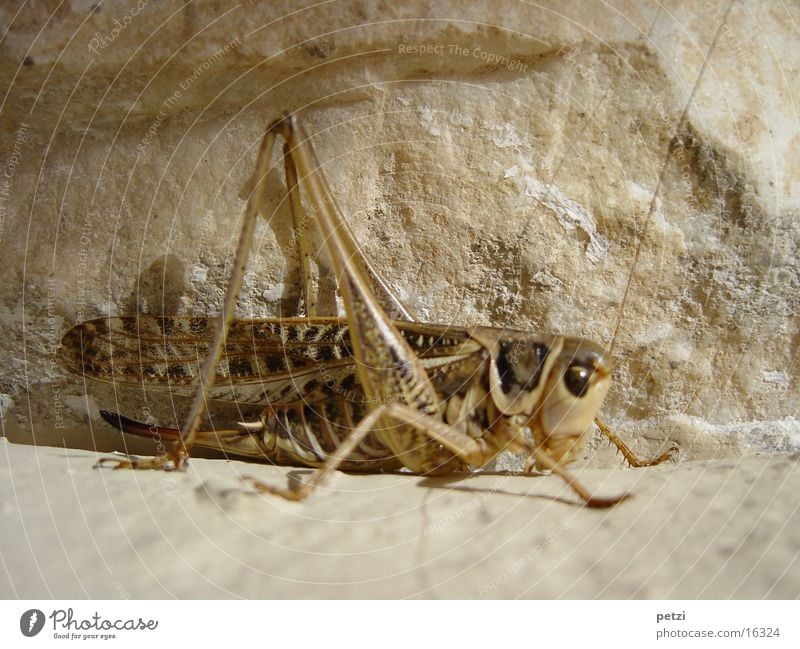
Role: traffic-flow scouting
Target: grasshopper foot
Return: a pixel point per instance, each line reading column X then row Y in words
column 670, row 454
column 294, row 493
column 630, row 457
column 175, row 461
column 604, row 503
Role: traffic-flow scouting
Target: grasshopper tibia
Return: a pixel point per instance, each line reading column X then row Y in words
column 630, row 457
column 470, row 451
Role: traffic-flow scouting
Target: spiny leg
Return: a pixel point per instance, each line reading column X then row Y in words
column 297, row 146
column 334, row 461
column 388, row 369
column 545, row 461
column 469, row 450
column 298, row 150
column 178, row 456
column 205, row 380
column 628, row 454
column 299, row 225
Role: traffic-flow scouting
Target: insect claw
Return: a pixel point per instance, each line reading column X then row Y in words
column 130, row 462
column 605, row 503
column 670, row 454
column 104, row 460
column 293, row 494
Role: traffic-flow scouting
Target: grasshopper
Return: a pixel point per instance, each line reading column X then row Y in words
column 365, row 393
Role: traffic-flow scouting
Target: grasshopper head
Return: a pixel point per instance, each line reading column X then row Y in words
column 553, row 384
column 575, row 387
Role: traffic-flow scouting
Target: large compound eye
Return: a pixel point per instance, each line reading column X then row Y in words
column 577, row 378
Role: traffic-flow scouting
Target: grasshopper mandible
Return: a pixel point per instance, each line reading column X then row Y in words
column 365, row 393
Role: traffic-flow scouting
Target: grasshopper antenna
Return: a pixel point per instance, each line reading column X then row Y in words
column 651, row 210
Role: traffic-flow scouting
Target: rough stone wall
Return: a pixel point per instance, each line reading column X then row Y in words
column 496, row 160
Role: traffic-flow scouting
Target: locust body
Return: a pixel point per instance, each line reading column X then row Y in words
column 305, row 370
column 365, row 393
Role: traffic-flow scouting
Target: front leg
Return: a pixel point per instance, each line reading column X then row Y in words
column 471, row 451
column 628, row 454
column 468, row 450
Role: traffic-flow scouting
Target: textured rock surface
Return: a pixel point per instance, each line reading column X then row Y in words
column 715, row 529
column 497, row 161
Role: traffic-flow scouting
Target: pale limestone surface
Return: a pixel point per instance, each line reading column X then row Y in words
column 496, row 160
column 709, row 529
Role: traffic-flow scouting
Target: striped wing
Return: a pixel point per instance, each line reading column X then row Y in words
column 277, row 361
